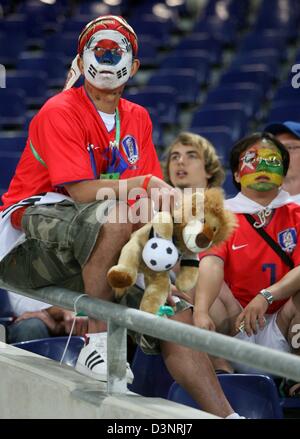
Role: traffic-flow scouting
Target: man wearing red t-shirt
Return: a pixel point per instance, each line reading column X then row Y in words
column 60, row 222
column 249, row 305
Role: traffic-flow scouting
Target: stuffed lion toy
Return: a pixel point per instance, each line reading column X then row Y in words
column 156, row 247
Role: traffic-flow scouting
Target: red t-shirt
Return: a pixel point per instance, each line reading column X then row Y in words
column 250, row 264
column 67, row 133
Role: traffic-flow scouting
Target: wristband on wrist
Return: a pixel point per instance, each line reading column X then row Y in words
column 267, row 295
column 145, row 187
column 146, row 181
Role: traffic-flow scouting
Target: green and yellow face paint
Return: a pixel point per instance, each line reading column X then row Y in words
column 261, row 167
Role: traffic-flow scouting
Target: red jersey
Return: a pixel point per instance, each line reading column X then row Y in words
column 73, row 143
column 250, row 264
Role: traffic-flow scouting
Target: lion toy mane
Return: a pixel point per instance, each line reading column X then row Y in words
column 190, row 230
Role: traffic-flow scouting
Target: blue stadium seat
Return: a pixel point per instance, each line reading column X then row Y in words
column 150, row 24
column 220, row 29
column 268, row 39
column 10, row 142
column 284, row 110
column 33, row 83
column 256, row 74
column 6, row 6
column 228, row 186
column 50, row 65
column 142, row 8
column 64, row 45
column 159, row 98
column 201, row 41
column 289, row 403
column 9, row 53
column 145, row 38
column 5, row 305
column 221, row 139
column 197, row 60
column 274, row 14
column 184, row 81
column 12, row 107
column 157, row 131
column 231, row 116
column 28, row 117
column 33, row 21
column 151, row 377
column 252, row 396
column 6, row 312
column 53, row 348
column 247, row 94
column 95, row 9
column 46, row 12
column 269, row 58
column 235, row 9
column 286, row 95
column 8, row 164
column 297, row 57
column 148, row 52
column 76, row 24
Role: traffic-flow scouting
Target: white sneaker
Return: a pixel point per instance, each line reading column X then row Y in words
column 92, row 360
column 235, row 416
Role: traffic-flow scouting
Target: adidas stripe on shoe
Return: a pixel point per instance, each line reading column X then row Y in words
column 92, row 360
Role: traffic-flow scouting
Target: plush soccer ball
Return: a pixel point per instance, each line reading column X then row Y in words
column 160, row 254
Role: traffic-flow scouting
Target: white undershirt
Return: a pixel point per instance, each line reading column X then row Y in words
column 108, row 119
column 21, row 304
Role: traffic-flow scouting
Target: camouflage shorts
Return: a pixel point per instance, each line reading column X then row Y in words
column 60, row 239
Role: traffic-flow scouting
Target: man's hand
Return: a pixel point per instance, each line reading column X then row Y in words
column 252, row 315
column 175, row 292
column 64, row 320
column 53, row 326
column 58, row 321
column 203, row 320
column 80, row 327
column 165, row 197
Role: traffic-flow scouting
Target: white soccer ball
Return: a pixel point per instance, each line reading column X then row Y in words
column 160, row 254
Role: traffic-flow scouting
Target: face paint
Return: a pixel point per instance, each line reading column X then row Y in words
column 261, row 169
column 107, row 59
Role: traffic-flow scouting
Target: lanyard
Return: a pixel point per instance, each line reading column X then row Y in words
column 116, row 142
column 112, row 144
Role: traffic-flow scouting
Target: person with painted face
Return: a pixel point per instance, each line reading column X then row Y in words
column 55, row 228
column 288, row 133
column 235, row 294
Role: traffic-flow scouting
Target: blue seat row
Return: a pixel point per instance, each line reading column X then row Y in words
column 54, row 347
column 251, row 395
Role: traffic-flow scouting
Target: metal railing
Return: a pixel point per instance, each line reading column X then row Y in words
column 121, row 318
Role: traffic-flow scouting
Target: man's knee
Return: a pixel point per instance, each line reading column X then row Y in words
column 29, row 329
column 117, row 213
column 118, row 225
column 296, row 301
